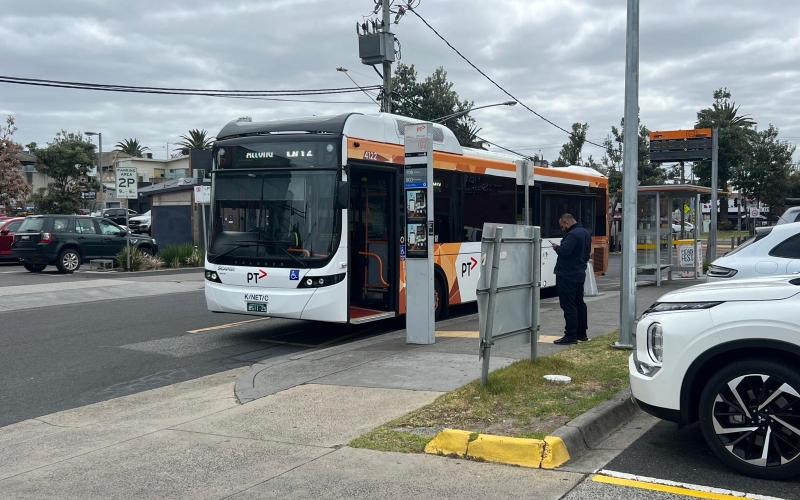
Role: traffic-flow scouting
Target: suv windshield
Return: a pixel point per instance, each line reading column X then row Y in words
column 32, row 225
column 277, row 215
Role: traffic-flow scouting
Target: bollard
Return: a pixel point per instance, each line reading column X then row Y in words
column 732, row 241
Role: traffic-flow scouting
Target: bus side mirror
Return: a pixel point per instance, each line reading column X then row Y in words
column 343, row 195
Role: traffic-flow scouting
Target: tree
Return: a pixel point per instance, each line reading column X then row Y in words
column 67, row 161
column 770, row 169
column 793, row 190
column 13, row 188
column 197, row 139
column 132, row 147
column 736, row 133
column 571, row 151
column 431, row 99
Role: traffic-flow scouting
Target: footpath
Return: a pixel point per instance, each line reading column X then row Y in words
column 280, row 429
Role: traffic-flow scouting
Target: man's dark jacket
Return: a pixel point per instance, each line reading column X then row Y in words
column 573, row 254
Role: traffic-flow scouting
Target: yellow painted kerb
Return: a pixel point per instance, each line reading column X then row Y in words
column 449, row 441
column 555, row 453
column 507, row 450
column 663, row 488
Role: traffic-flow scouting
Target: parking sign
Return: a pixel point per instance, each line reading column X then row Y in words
column 127, row 183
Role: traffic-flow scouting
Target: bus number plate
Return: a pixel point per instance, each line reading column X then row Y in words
column 260, row 307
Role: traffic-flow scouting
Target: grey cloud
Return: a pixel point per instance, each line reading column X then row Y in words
column 565, row 59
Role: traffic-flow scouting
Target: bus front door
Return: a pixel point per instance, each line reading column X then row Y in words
column 373, row 249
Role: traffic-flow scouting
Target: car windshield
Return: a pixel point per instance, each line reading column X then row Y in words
column 31, row 225
column 278, row 215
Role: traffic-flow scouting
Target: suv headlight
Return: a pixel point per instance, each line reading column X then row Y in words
column 721, row 272
column 679, row 306
column 655, row 342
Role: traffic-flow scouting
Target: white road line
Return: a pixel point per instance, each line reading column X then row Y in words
column 688, row 486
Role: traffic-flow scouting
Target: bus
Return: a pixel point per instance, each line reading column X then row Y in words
column 308, row 217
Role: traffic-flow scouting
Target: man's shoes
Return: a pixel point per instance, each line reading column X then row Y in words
column 583, row 339
column 565, row 341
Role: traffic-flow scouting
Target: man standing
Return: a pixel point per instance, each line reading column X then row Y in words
column 573, row 254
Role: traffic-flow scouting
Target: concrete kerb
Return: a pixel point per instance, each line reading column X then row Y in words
column 568, row 442
column 136, row 274
column 547, row 453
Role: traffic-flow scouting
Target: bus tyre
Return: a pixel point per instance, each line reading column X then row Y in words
column 440, row 299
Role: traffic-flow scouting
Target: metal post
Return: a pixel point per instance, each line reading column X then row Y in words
column 630, row 180
column 525, row 166
column 387, row 66
column 658, row 238
column 128, row 235
column 100, row 168
column 496, row 244
column 712, row 233
column 537, row 286
column 205, row 228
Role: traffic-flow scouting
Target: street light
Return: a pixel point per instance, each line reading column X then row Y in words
column 99, row 166
column 466, row 111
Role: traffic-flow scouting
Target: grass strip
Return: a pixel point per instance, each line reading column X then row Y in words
column 516, row 402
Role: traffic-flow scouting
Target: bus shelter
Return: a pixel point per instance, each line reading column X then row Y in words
column 664, row 245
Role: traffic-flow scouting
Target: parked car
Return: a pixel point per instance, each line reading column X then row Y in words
column 8, row 226
column 726, row 355
column 117, row 215
column 790, row 215
column 773, row 251
column 140, row 223
column 67, row 241
column 687, row 226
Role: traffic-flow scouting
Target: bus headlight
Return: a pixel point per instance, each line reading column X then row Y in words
column 320, row 281
column 213, row 276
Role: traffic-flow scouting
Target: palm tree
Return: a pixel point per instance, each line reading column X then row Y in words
column 197, row 139
column 132, row 147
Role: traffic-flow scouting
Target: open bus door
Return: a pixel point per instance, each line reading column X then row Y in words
column 374, row 261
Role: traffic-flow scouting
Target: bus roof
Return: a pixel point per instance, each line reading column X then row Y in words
column 382, row 136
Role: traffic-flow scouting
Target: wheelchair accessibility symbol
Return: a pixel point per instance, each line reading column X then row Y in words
column 294, row 275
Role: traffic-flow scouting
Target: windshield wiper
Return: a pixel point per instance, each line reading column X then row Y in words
column 237, row 246
column 287, row 252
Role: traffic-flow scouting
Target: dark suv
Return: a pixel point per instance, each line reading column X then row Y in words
column 118, row 215
column 67, row 241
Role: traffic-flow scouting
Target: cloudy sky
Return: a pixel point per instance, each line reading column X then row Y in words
column 563, row 58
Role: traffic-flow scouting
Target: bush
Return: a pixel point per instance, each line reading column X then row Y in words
column 725, row 225
column 185, row 255
column 139, row 261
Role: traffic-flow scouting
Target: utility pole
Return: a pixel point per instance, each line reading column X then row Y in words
column 387, row 65
column 376, row 45
column 630, row 185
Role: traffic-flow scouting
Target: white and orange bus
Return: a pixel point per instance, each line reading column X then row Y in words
column 308, row 216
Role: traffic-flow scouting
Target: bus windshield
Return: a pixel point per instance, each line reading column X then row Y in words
column 274, row 217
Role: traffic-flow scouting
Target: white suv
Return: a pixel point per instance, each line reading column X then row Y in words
column 727, row 354
column 774, row 251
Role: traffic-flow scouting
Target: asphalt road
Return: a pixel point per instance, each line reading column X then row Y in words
column 682, row 455
column 60, row 357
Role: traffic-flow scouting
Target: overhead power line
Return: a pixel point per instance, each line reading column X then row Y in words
column 509, row 94
column 246, row 94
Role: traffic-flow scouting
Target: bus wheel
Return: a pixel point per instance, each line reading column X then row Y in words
column 440, row 299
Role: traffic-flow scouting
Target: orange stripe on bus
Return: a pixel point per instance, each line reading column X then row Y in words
column 393, row 153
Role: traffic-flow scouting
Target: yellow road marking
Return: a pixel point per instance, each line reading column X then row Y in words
column 663, row 488
column 458, row 334
column 229, row 325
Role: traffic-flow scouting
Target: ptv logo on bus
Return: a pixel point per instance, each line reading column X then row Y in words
column 255, row 277
column 467, row 267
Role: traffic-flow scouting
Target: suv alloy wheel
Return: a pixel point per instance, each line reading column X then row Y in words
column 750, row 417
column 69, row 261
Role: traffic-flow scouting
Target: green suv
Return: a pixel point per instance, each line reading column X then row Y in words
column 67, row 241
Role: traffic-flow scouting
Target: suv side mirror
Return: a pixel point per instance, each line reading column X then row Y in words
column 343, row 195
column 123, row 233
column 4, row 232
